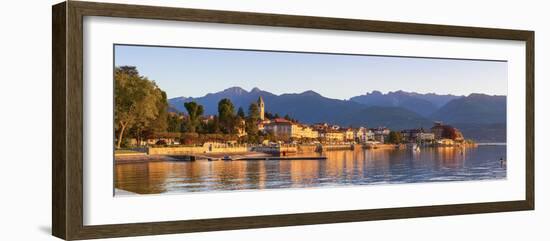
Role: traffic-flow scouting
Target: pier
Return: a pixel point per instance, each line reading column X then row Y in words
column 279, row 150
column 279, row 158
column 334, row 147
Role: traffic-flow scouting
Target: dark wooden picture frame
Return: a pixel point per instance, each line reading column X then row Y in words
column 67, row 100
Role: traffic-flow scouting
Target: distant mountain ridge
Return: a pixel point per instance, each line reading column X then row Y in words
column 423, row 104
column 239, row 96
column 396, row 110
column 474, row 108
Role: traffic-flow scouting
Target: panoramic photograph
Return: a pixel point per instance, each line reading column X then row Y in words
column 190, row 120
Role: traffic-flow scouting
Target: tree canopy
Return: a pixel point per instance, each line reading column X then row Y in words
column 139, row 103
column 226, row 114
column 240, row 113
column 195, row 111
column 254, row 112
column 394, row 137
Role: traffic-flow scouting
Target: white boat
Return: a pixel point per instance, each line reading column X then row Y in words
column 414, row 147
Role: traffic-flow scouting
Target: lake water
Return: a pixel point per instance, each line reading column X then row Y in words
column 358, row 167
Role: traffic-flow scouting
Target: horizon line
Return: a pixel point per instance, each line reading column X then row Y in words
column 349, row 98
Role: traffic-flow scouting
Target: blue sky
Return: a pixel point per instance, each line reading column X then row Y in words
column 194, row 72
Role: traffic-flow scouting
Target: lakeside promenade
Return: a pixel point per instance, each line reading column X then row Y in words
column 252, row 152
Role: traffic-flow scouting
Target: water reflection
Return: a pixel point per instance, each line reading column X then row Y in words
column 357, row 167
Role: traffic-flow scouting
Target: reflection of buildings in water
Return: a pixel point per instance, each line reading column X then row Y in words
column 448, row 157
column 178, row 173
column 339, row 165
column 256, row 174
column 336, row 164
column 304, row 172
column 126, row 174
column 383, row 161
column 263, row 176
column 358, row 162
column 451, row 157
column 142, row 178
column 284, row 174
column 344, row 164
column 378, row 161
column 229, row 173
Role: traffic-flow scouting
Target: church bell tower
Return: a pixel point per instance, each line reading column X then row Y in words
column 261, row 104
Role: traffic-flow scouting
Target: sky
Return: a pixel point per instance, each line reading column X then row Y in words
column 195, row 72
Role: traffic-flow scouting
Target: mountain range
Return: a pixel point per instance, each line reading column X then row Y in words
column 423, row 104
column 480, row 117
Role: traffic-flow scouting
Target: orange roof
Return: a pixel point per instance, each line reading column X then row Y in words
column 280, row 120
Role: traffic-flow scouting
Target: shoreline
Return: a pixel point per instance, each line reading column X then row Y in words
column 142, row 157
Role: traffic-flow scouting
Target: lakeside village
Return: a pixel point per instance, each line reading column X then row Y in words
column 260, row 134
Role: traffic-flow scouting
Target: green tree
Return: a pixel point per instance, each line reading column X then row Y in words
column 226, row 115
column 251, row 126
column 449, row 132
column 147, row 127
column 394, row 137
column 268, row 115
column 240, row 113
column 213, row 126
column 174, row 122
column 195, row 111
column 254, row 111
column 138, row 102
column 287, row 117
column 160, row 124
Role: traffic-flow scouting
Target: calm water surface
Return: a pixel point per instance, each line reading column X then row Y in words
column 359, row 167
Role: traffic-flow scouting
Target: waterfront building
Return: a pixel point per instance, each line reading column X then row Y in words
column 320, row 127
column 334, row 136
column 285, row 128
column 381, row 134
column 241, row 128
column 417, row 135
column 369, row 135
column 410, row 135
column 381, row 131
column 438, row 130
column 349, row 134
column 445, row 142
column 446, row 132
column 380, row 137
column 262, row 124
column 205, row 119
column 156, row 138
column 426, row 137
column 179, row 115
column 303, row 131
column 360, row 134
column 279, row 127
